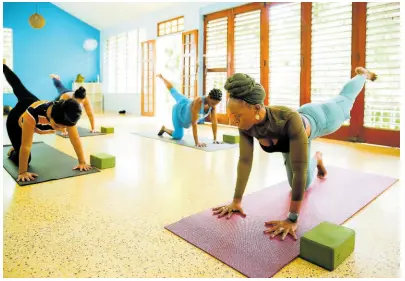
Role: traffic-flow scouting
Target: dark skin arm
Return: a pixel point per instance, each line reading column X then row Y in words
column 195, row 109
column 214, row 121
column 299, row 162
column 89, row 112
column 244, row 168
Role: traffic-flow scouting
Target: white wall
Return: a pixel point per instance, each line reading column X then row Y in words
column 193, row 19
column 114, row 102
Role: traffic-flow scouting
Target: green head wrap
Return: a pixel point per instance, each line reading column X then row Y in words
column 243, row 87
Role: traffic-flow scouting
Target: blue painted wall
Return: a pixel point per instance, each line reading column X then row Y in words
column 56, row 48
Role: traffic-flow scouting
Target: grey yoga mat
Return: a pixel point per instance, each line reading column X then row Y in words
column 83, row 132
column 188, row 141
column 46, row 161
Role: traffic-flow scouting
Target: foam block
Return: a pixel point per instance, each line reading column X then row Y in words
column 107, row 130
column 102, row 160
column 230, row 139
column 327, row 245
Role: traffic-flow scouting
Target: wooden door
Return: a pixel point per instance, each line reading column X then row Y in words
column 189, row 64
column 148, row 78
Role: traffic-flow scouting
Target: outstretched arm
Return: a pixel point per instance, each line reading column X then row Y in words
column 299, row 164
column 28, row 129
column 194, row 120
column 214, row 122
column 299, row 160
column 77, row 145
column 89, row 112
column 244, row 164
column 244, row 168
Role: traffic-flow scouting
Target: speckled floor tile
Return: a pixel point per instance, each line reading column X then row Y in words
column 111, row 224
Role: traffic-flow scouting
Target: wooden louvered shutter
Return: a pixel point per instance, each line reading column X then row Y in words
column 383, row 55
column 216, row 63
column 331, row 49
column 285, row 54
column 247, row 44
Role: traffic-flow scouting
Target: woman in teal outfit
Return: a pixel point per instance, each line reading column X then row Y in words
column 187, row 112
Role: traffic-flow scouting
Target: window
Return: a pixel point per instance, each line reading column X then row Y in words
column 171, row 26
column 189, row 63
column 247, row 44
column 121, row 62
column 148, row 78
column 285, row 54
column 216, row 57
column 8, row 55
column 331, row 49
column 306, row 52
column 383, row 54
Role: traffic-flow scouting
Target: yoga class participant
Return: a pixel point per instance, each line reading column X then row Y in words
column 187, row 112
column 79, row 95
column 31, row 115
column 280, row 129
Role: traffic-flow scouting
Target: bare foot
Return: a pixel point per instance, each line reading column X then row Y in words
column 55, row 76
column 321, row 168
column 10, row 151
column 162, row 130
column 159, row 76
column 370, row 75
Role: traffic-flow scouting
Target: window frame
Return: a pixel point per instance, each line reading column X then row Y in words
column 7, row 89
column 176, row 19
column 355, row 131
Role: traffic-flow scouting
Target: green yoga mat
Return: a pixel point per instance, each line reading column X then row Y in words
column 46, row 161
column 83, row 132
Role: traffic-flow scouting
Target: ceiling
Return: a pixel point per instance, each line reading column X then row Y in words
column 104, row 15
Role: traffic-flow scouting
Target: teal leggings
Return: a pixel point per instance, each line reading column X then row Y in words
column 326, row 118
column 181, row 114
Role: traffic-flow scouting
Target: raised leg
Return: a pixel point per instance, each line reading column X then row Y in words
column 59, row 86
column 18, row 88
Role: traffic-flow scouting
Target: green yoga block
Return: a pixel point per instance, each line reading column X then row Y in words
column 107, row 130
column 230, row 139
column 102, row 160
column 327, row 245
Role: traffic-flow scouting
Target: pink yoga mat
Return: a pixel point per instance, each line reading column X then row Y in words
column 240, row 242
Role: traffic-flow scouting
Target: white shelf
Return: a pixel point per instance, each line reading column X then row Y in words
column 94, row 93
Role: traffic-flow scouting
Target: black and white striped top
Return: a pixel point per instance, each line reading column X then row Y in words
column 38, row 113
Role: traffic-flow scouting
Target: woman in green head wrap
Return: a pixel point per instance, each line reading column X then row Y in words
column 280, row 129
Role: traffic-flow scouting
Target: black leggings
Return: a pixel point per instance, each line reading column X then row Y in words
column 25, row 99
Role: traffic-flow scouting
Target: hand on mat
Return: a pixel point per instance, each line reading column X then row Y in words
column 201, row 144
column 282, row 228
column 82, row 167
column 228, row 210
column 27, row 176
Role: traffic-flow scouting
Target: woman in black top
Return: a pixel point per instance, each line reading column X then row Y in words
column 30, row 115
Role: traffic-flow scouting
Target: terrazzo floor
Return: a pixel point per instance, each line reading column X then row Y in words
column 110, row 224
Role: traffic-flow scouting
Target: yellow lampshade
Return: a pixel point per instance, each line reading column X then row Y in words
column 37, row 21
